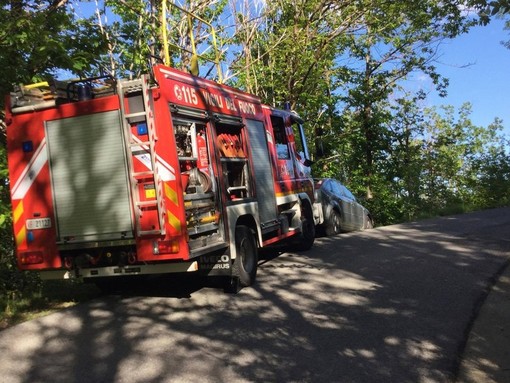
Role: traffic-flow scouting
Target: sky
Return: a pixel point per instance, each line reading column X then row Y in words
column 478, row 67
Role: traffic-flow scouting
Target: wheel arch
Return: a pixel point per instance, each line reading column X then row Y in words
column 307, row 224
column 249, row 221
column 304, row 199
column 330, row 208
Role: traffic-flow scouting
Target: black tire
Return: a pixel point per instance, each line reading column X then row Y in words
column 369, row 224
column 244, row 269
column 333, row 226
column 307, row 237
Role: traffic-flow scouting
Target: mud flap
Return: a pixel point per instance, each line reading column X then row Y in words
column 215, row 265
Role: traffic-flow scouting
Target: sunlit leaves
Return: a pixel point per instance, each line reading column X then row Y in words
column 500, row 6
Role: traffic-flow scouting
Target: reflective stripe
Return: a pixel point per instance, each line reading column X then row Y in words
column 173, row 221
column 20, row 231
column 18, row 211
column 165, row 171
column 171, row 194
column 30, row 172
column 21, row 237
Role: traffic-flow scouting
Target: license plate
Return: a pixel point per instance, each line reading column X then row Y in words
column 38, row 223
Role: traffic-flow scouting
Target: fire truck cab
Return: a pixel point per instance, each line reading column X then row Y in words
column 166, row 173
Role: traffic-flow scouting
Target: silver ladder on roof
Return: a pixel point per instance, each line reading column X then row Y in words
column 125, row 88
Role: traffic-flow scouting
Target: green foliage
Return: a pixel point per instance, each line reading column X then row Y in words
column 135, row 40
column 499, row 7
column 393, row 41
column 13, row 283
column 5, row 206
column 291, row 56
column 454, row 165
column 37, row 39
column 427, row 162
column 43, row 298
column 507, row 27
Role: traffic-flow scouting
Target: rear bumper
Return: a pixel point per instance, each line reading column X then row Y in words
column 114, row 271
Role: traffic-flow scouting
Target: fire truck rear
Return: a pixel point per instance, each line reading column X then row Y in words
column 162, row 174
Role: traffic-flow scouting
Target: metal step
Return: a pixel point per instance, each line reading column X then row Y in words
column 149, row 232
column 141, row 143
column 141, row 175
column 144, row 204
column 137, row 114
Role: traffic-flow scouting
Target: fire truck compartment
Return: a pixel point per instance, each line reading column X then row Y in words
column 89, row 177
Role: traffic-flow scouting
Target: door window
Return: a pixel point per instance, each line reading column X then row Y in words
column 282, row 147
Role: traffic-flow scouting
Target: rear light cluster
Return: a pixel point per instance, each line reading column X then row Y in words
column 31, row 258
column 165, row 247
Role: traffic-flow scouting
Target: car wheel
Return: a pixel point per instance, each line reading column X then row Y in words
column 244, row 269
column 369, row 224
column 333, row 226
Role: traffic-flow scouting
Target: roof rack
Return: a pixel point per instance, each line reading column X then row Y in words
column 47, row 94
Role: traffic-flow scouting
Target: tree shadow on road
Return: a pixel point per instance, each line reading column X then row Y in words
column 390, row 304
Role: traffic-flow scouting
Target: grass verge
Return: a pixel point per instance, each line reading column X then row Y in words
column 50, row 296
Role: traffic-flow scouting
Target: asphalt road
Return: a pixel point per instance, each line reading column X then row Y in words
column 393, row 304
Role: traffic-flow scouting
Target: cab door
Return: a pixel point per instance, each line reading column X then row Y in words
column 285, row 166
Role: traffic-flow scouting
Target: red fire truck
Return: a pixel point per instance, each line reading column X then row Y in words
column 166, row 173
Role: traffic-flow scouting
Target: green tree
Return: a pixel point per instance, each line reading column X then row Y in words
column 404, row 163
column 135, row 37
column 492, row 186
column 289, row 54
column 39, row 38
column 498, row 7
column 456, row 153
column 394, row 40
column 488, row 178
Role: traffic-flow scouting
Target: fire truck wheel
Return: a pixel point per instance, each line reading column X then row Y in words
column 244, row 269
column 307, row 237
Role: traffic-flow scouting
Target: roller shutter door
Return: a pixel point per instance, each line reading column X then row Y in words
column 89, row 177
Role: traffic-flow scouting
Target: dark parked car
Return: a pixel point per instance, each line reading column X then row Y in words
column 341, row 211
